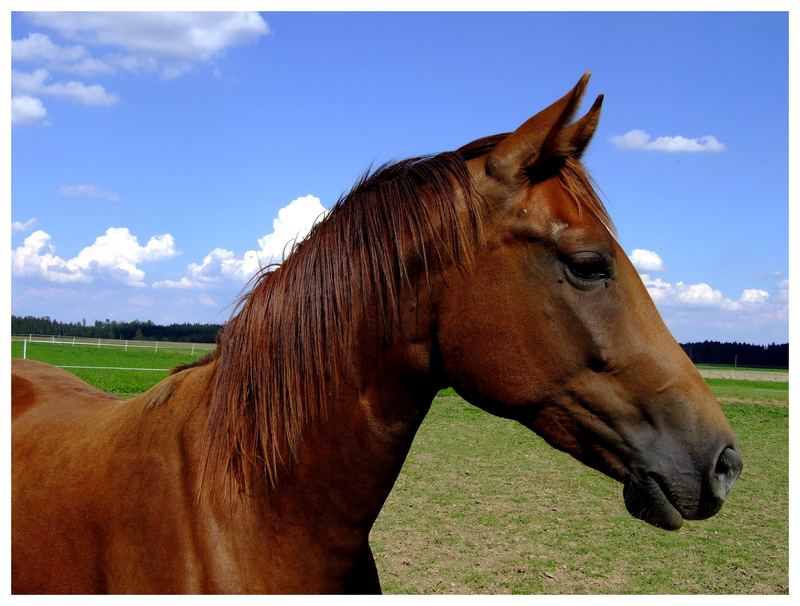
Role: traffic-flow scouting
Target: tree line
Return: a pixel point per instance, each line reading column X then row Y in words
column 112, row 329
column 707, row 352
column 742, row 354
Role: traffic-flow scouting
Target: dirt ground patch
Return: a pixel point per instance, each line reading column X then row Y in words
column 744, row 375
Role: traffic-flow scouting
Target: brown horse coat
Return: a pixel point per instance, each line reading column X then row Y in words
column 262, row 467
column 117, row 501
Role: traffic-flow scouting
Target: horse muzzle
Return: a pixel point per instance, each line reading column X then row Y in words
column 665, row 503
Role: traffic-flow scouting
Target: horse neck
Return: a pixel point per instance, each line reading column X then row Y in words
column 349, row 461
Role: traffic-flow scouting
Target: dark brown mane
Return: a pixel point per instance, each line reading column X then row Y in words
column 279, row 359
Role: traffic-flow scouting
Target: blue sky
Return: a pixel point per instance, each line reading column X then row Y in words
column 153, row 165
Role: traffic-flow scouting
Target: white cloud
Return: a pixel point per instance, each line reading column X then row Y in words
column 701, row 294
column 27, row 110
column 40, row 49
column 699, row 311
column 754, row 296
column 88, row 191
column 182, row 283
column 36, row 258
column 678, row 143
column 169, row 44
column 633, row 139
column 640, row 140
column 695, row 296
column 172, row 42
column 646, row 260
column 34, row 83
column 292, row 224
column 220, row 264
column 19, row 226
column 114, row 257
column 700, row 305
column 117, row 253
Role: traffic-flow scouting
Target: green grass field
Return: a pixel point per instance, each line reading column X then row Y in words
column 728, row 389
column 123, row 383
column 482, row 505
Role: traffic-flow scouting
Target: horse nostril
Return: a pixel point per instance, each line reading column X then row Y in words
column 727, row 470
column 597, row 364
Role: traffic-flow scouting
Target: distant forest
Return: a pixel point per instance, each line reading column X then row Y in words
column 743, row 354
column 707, row 352
column 111, row 329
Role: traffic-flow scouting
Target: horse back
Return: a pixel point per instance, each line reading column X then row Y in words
column 35, row 383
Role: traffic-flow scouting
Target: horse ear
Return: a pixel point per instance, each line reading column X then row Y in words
column 537, row 138
column 574, row 139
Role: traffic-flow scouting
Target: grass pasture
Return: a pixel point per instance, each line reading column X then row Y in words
column 123, row 383
column 750, row 391
column 482, row 505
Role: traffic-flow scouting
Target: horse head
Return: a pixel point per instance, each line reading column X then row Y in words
column 552, row 326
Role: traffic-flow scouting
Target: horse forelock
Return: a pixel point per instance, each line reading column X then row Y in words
column 577, row 182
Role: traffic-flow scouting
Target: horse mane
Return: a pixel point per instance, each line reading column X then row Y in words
column 280, row 356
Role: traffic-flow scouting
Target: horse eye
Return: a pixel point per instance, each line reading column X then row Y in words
column 589, row 266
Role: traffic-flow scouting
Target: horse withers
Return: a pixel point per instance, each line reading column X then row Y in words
column 262, row 467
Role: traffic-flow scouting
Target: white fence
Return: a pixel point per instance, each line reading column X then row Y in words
column 125, row 344
column 192, row 348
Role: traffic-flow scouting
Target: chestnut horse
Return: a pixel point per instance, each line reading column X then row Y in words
column 262, row 467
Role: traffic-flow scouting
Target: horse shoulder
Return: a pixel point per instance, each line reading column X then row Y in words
column 121, row 471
